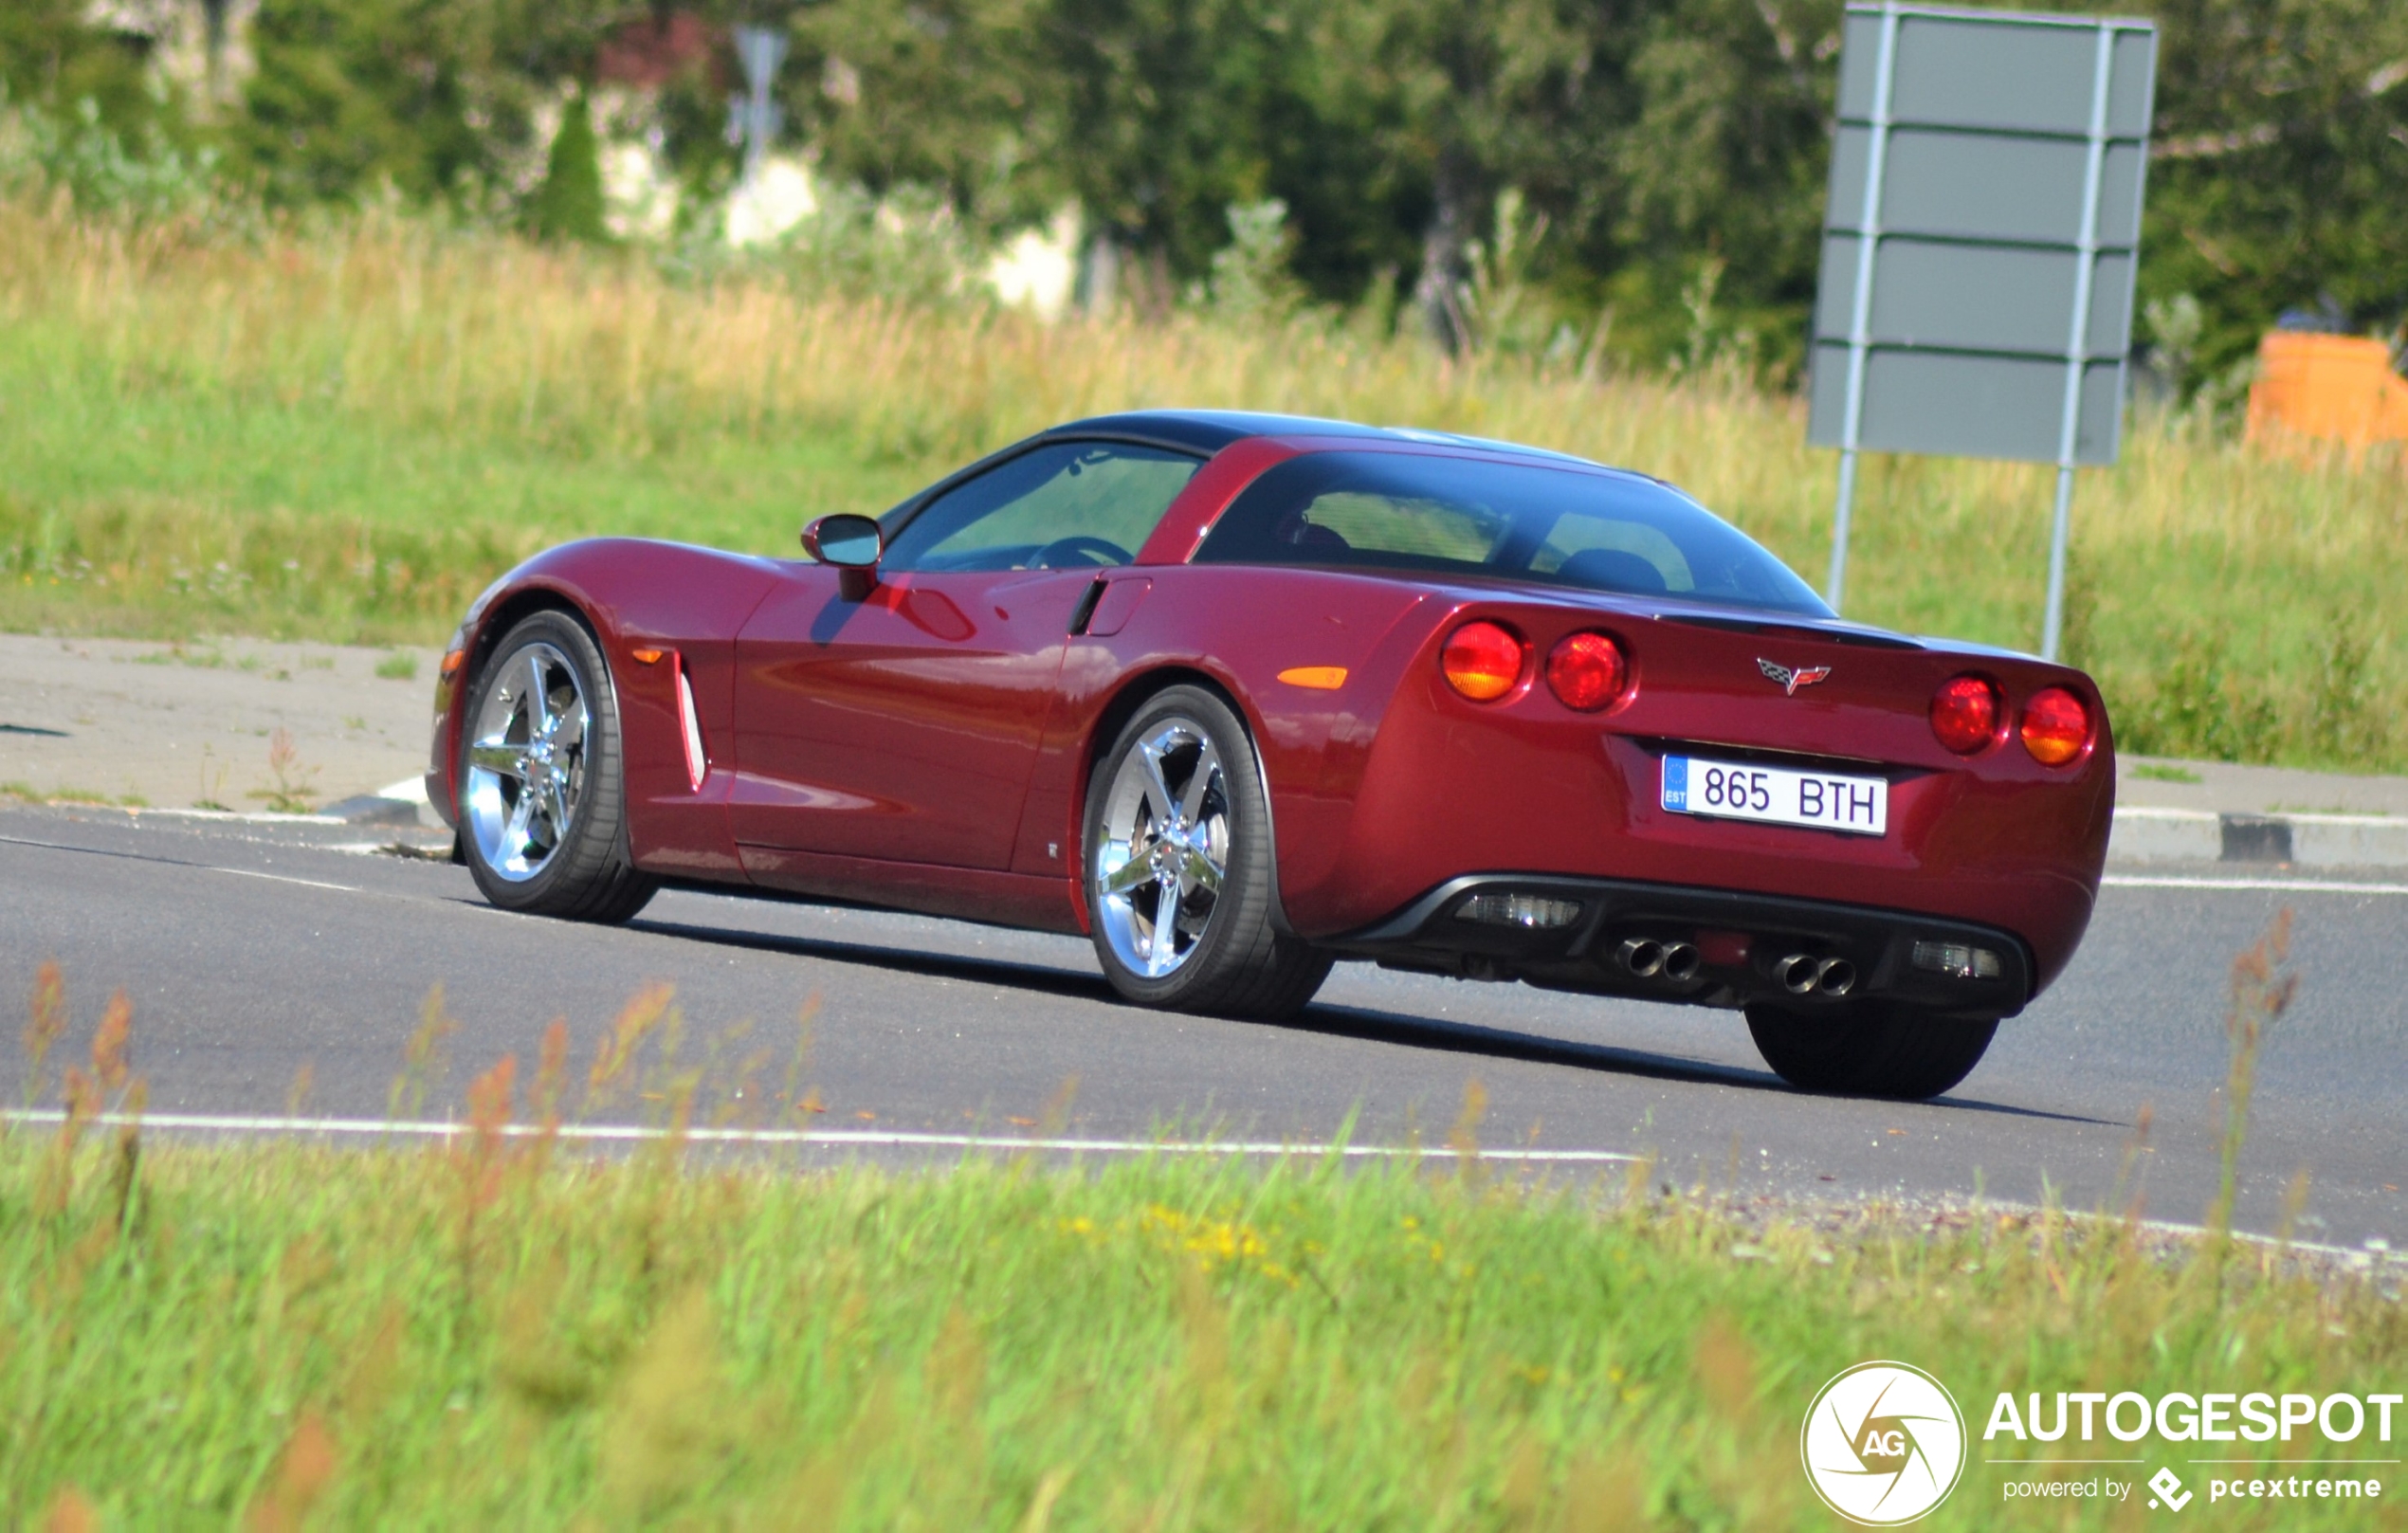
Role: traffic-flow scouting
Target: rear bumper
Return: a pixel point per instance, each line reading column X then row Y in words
column 1743, row 947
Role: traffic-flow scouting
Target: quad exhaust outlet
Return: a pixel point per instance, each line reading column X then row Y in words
column 1802, row 974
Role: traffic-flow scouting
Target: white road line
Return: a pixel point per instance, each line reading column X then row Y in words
column 280, row 877
column 2288, row 885
column 839, row 1138
column 179, row 862
column 231, row 817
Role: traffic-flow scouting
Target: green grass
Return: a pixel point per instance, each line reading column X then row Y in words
column 344, row 434
column 501, row 1330
column 496, row 1338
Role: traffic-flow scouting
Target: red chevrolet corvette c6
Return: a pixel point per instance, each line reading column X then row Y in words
column 1241, row 694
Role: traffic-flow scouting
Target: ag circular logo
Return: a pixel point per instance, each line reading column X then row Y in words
column 1883, row 1444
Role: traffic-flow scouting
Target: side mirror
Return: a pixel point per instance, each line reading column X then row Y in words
column 851, row 543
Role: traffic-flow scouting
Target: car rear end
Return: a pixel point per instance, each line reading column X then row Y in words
column 1658, row 799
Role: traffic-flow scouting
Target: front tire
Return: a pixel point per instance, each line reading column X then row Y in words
column 1869, row 1049
column 542, row 788
column 1177, row 863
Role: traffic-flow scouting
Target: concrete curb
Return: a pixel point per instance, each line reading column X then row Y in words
column 2196, row 835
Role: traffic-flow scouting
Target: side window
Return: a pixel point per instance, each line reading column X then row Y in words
column 1065, row 506
column 1405, row 526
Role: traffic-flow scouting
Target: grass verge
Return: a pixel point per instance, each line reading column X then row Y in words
column 342, row 432
column 492, row 1333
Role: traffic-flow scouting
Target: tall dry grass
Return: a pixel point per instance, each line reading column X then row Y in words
column 495, row 1331
column 446, row 400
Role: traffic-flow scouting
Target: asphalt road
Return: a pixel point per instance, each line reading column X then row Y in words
column 251, row 950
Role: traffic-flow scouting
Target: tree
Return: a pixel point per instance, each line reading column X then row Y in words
column 432, row 96
column 2279, row 175
column 52, row 55
column 949, row 94
column 568, row 206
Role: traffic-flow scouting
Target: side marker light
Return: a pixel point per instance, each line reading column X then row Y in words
column 1315, row 678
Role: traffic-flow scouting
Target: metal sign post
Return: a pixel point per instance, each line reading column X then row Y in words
column 752, row 119
column 1979, row 245
column 1861, row 309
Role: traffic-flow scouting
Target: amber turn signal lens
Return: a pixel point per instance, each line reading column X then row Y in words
column 1586, row 671
column 2056, row 726
column 1483, row 660
column 1964, row 713
column 1315, row 678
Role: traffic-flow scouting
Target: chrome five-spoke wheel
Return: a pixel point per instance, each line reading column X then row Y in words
column 1164, row 850
column 527, row 763
column 542, row 809
column 1183, row 895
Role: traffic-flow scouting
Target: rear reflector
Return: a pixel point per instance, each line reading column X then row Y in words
column 1956, row 960
column 1484, row 660
column 1518, row 910
column 1964, row 713
column 1586, row 671
column 2056, row 726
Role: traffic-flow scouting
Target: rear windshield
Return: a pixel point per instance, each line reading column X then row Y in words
column 1526, row 522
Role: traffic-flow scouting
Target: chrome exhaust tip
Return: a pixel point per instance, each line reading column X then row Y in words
column 1834, row 977
column 1641, row 957
column 1797, row 972
column 1680, row 962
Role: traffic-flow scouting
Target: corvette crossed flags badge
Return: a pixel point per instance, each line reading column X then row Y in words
column 1790, row 680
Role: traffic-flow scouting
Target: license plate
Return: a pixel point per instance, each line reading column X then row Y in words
column 1776, row 795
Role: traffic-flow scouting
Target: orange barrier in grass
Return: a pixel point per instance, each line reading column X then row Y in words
column 2329, row 388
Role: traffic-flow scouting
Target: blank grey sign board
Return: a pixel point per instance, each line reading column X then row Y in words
column 2011, row 150
column 1967, row 405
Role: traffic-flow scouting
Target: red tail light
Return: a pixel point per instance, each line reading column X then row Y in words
column 2056, row 726
column 1484, row 660
column 1964, row 713
column 1586, row 671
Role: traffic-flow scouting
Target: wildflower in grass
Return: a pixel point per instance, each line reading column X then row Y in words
column 551, row 1074
column 636, row 1020
column 423, row 1056
column 47, row 1024
column 485, row 1159
column 113, row 1043
column 72, row 1511
column 303, row 1472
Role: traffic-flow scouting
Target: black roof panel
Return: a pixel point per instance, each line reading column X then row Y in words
column 1208, row 431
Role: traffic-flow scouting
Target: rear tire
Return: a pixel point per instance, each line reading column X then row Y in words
column 1869, row 1049
column 543, row 810
column 1176, row 863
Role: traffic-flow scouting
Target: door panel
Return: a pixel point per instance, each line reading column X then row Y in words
column 902, row 727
